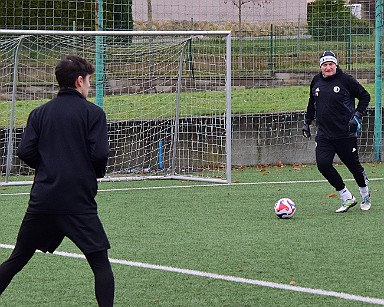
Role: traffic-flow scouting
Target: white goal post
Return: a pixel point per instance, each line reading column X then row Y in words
column 167, row 96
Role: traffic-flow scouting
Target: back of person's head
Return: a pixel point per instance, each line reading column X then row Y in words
column 70, row 68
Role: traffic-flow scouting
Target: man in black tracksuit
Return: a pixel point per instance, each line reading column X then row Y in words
column 332, row 104
column 66, row 142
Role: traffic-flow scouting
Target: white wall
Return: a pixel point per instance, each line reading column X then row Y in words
column 219, row 11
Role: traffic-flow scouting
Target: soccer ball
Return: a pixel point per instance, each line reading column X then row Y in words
column 285, row 208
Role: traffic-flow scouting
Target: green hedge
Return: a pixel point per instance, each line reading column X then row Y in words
column 62, row 15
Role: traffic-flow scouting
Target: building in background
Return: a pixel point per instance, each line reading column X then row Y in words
column 222, row 11
column 367, row 8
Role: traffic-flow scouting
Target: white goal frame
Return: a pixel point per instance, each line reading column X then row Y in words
column 172, row 173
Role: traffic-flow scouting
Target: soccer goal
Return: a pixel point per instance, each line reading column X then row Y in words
column 166, row 95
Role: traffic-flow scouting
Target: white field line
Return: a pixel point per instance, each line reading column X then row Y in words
column 262, row 283
column 226, row 185
column 203, row 185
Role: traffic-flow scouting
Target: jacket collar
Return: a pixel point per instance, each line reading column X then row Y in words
column 69, row 90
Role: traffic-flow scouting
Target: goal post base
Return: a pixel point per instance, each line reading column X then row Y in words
column 170, row 177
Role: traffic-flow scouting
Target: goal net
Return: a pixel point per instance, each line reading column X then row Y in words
column 166, row 95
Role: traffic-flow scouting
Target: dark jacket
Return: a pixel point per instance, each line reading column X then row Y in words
column 332, row 104
column 66, row 142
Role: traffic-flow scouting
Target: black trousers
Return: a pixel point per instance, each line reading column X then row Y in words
column 45, row 232
column 347, row 151
column 101, row 267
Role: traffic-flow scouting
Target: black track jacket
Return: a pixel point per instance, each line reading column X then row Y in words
column 66, row 142
column 332, row 104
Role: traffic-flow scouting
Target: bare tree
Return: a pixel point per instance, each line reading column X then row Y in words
column 150, row 40
column 239, row 4
column 150, row 20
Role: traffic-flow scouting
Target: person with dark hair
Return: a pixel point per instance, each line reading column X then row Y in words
column 338, row 120
column 66, row 142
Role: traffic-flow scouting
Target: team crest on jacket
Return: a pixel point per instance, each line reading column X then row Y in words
column 336, row 89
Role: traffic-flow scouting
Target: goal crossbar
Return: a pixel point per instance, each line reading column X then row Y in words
column 114, row 33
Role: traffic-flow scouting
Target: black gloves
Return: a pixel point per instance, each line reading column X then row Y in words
column 306, row 127
column 306, row 130
column 354, row 124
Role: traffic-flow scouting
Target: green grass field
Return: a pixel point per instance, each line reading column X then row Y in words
column 244, row 101
column 222, row 241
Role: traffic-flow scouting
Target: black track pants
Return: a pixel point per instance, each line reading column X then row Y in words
column 101, row 267
column 10, row 267
column 104, row 280
column 347, row 151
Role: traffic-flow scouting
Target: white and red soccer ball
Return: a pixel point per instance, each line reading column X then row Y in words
column 285, row 208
